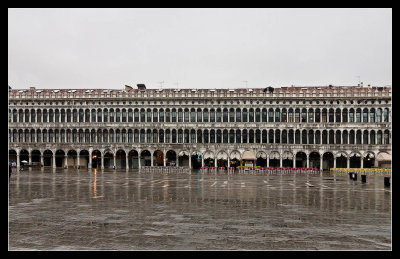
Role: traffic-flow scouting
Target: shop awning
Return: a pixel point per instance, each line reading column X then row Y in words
column 248, row 155
column 384, row 157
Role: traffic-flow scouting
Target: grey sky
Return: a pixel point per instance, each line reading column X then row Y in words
column 198, row 48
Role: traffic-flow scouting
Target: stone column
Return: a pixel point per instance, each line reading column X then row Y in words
column 190, row 159
column 321, row 166
column 90, row 161
column 102, row 161
column 139, row 163
column 164, row 155
column 202, row 160
column 308, row 160
column 334, row 161
column 362, row 162
column 267, row 160
column 294, row 161
column 18, row 161
column 280, row 161
column 126, row 161
column 215, row 162
column 54, row 160
column 79, row 160
column 228, row 162
column 151, row 155
column 41, row 161
column 114, row 157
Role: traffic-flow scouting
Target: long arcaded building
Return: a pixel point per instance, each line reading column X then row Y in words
column 318, row 126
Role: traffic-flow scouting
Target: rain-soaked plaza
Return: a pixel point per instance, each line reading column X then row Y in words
column 127, row 210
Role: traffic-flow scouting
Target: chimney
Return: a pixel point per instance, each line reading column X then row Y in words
column 369, row 86
column 361, row 84
column 32, row 88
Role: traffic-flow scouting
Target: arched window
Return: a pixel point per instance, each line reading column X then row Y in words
column 135, row 114
column 112, row 136
column 317, row 137
column 45, row 116
column 277, row 136
column 264, row 136
column 219, row 119
column 238, row 136
column 161, row 136
column 212, row 136
column 338, row 115
column 331, row 115
column 186, row 136
column 258, row 115
column 317, row 115
column 331, row 137
column 111, row 115
column 351, row 115
column 291, row 115
column 99, row 115
column 271, row 136
column 192, row 115
column 304, row 137
column 123, row 115
column 173, row 115
column 57, row 115
column 258, row 136
column 365, row 137
column 148, row 115
column 117, row 136
column 297, row 115
column 284, row 116
column 244, row 136
column 180, row 118
column 225, row 115
column 142, row 115
column 231, row 136
column 304, row 115
column 212, row 115
column 199, row 115
column 379, row 137
column 167, row 136
column 130, row 115
column 270, row 115
column 231, row 115
column 324, row 116
column 155, row 115
column 205, row 136
column 238, row 115
column 284, row 136
column 21, row 116
column 264, row 115
column 371, row 137
column 338, row 137
column 130, row 135
column 33, row 115
column 277, row 115
column 386, row 137
column 174, row 136
column 148, row 136
column 225, row 136
column 324, row 137
column 186, row 114
column 244, row 115
column 372, row 115
column 219, row 137
column 358, row 115
column 311, row 137
column 386, row 115
column 118, row 115
column 161, row 115
column 142, row 136
column 199, row 136
column 27, row 115
column 251, row 136
column 87, row 115
column 358, row 137
column 167, row 115
column 39, row 116
column 251, row 115
column 291, row 136
column 192, row 136
column 81, row 115
column 155, row 136
column 365, row 115
column 205, row 115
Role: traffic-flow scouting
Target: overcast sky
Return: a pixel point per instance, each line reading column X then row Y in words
column 198, row 48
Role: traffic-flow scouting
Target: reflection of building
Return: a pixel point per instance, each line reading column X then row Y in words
column 327, row 126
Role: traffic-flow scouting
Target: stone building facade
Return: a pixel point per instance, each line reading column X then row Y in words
column 321, row 126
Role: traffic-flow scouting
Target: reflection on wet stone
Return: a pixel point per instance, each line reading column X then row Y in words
column 119, row 210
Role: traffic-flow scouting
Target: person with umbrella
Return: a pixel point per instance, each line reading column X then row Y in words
column 23, row 163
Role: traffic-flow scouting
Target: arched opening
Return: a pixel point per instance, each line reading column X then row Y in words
column 183, row 159
column 327, row 161
column 23, row 157
column 355, row 161
column 287, row 159
column 133, row 159
column 35, row 155
column 234, row 159
column 209, row 159
column 47, row 158
column 120, row 159
column 60, row 155
column 315, row 160
column 170, row 158
column 369, row 160
column 158, row 158
column 84, row 158
column 222, row 159
column 274, row 159
column 301, row 160
column 196, row 160
column 108, row 159
column 261, row 159
column 71, row 160
column 145, row 158
column 96, row 159
column 341, row 161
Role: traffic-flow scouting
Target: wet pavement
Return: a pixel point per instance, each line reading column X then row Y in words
column 127, row 210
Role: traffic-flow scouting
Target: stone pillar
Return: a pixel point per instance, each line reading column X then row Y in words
column 115, row 164
column 321, row 164
column 294, row 161
column 164, row 156
column 229, row 162
column 267, row 160
column 202, row 160
column 334, row 161
column 362, row 162
column 79, row 160
column 140, row 166
column 54, row 160
column 280, row 161
column 308, row 160
column 190, row 160
column 151, row 155
column 126, row 161
column 90, row 161
column 18, row 161
column 215, row 162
